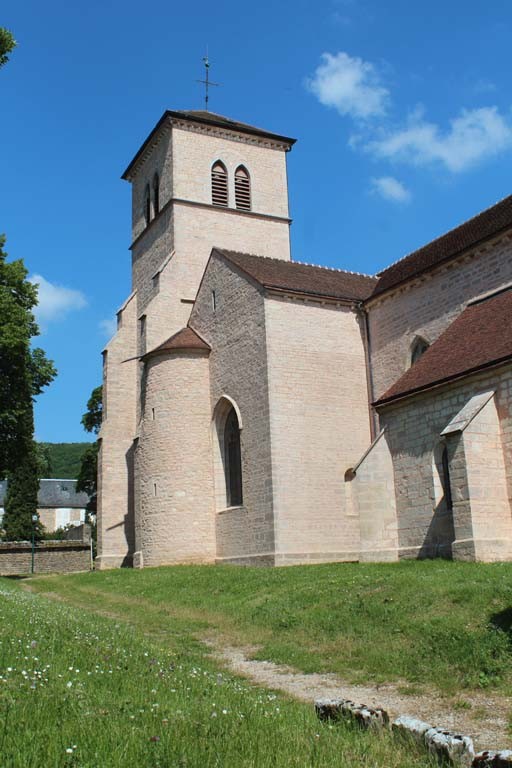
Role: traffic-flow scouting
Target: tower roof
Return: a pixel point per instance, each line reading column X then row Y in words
column 184, row 339
column 203, row 117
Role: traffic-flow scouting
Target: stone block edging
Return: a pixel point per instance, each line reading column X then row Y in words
column 455, row 748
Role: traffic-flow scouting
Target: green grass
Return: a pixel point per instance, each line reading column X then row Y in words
column 437, row 623
column 77, row 689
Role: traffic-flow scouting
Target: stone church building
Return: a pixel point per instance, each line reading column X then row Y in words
column 262, row 411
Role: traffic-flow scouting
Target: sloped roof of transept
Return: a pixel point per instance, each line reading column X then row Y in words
column 479, row 338
column 308, row 279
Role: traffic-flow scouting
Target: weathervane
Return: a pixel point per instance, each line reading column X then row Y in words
column 207, row 82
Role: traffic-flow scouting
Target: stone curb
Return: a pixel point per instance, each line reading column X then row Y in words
column 456, row 749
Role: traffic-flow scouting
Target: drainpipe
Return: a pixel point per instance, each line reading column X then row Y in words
column 369, row 374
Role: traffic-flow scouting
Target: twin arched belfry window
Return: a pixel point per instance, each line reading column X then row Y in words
column 220, row 187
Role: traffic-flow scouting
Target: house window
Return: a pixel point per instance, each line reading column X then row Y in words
column 156, row 194
column 418, row 349
column 242, row 189
column 232, row 460
column 147, row 205
column 219, row 185
column 142, row 334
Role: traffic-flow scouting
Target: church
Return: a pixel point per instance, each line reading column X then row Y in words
column 261, row 411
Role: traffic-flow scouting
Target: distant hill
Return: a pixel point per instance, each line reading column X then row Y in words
column 65, row 459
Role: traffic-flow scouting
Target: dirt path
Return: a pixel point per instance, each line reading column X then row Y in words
column 482, row 716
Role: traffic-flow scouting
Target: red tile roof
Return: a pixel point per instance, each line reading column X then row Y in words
column 302, row 278
column 490, row 222
column 480, row 337
column 184, row 339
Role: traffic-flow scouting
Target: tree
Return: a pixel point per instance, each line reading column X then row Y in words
column 7, row 45
column 88, row 475
column 24, row 372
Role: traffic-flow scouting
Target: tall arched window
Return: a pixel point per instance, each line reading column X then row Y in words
column 242, row 189
column 446, row 482
column 232, row 460
column 147, row 205
column 219, row 184
column 419, row 347
column 156, row 194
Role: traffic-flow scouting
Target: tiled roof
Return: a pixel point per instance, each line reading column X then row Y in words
column 481, row 227
column 302, row 278
column 184, row 339
column 481, row 336
column 54, row 493
column 206, row 118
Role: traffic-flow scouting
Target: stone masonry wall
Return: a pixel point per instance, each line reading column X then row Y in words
column 319, row 425
column 49, row 557
column 413, row 429
column 489, row 506
column 373, row 493
column 238, row 370
column 175, row 521
column 428, row 306
column 115, row 461
column 197, row 151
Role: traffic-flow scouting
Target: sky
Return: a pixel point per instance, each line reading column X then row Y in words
column 402, row 113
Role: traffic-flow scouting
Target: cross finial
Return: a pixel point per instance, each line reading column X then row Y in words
column 207, row 82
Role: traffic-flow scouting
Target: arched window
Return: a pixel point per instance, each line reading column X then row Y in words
column 232, row 460
column 242, row 189
column 156, row 194
column 147, row 205
column 445, row 478
column 219, row 184
column 418, row 348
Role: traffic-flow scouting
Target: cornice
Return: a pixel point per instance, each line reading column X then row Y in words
column 208, row 206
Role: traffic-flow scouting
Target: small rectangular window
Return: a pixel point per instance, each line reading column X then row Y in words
column 154, row 489
column 142, row 335
column 153, row 414
column 214, row 301
column 119, row 319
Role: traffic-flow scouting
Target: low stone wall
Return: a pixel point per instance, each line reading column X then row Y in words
column 49, row 557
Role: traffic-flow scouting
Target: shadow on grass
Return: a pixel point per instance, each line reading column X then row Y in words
column 503, row 621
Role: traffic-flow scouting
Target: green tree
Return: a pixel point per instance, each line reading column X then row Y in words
column 88, row 475
column 7, row 45
column 44, row 460
column 24, row 372
column 91, row 420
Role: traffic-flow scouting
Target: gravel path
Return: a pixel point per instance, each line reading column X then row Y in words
column 482, row 716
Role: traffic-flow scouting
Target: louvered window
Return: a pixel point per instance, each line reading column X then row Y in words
column 242, row 189
column 219, row 185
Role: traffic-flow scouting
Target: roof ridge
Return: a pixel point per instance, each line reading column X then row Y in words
column 440, row 237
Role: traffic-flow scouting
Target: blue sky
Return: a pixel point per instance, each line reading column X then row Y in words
column 402, row 111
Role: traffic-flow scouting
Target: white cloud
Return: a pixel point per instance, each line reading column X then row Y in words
column 354, row 87
column 108, row 326
column 472, row 136
column 350, row 85
column 55, row 301
column 391, row 189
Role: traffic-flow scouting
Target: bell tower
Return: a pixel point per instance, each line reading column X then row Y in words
column 199, row 181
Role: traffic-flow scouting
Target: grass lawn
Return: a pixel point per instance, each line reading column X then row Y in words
column 432, row 622
column 78, row 689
